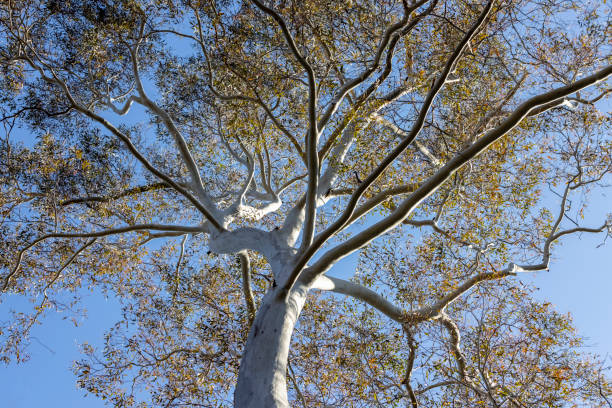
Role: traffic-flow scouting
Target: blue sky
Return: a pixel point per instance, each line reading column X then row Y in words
column 579, row 282
column 580, row 279
column 46, row 379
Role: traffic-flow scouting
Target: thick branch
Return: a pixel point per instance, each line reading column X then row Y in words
column 435, row 310
column 347, row 214
column 388, row 40
column 455, row 335
column 362, row 293
column 185, row 152
column 361, row 100
column 149, row 166
column 312, row 157
column 245, row 266
column 444, row 173
column 54, row 79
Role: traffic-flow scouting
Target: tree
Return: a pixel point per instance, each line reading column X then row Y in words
column 209, row 162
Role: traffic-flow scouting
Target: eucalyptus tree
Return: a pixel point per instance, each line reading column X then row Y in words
column 209, row 162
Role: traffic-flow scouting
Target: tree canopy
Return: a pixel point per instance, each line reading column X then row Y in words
column 209, row 162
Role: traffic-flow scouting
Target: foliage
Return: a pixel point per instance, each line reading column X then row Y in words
column 205, row 161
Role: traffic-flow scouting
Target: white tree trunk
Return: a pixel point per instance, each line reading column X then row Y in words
column 263, row 369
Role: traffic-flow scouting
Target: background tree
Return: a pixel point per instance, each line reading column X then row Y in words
column 208, row 162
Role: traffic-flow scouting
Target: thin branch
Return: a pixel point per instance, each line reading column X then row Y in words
column 263, row 175
column 37, row 108
column 125, row 193
column 295, row 384
column 269, row 166
column 257, row 100
column 388, row 39
column 250, row 164
column 151, row 237
column 436, row 385
column 412, row 346
column 67, row 263
column 401, row 134
column 435, row 310
column 97, row 234
column 289, row 183
column 177, row 270
column 434, row 225
column 364, row 97
column 567, row 101
column 376, row 200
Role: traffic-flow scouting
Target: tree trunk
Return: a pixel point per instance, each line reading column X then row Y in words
column 263, row 369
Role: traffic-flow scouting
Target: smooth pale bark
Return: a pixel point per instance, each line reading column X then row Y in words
column 263, row 369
